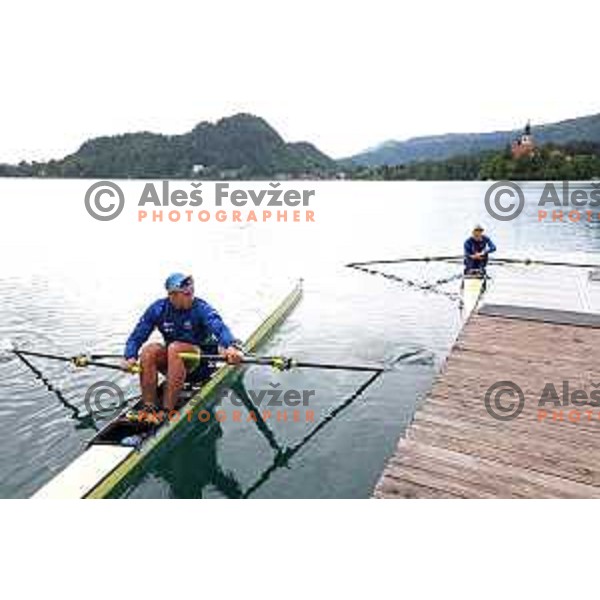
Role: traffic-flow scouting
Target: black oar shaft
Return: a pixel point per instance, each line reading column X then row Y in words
column 337, row 367
column 496, row 260
column 391, row 261
column 287, row 363
column 43, row 355
column 546, row 263
column 70, row 359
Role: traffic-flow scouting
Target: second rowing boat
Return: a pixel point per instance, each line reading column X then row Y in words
column 473, row 287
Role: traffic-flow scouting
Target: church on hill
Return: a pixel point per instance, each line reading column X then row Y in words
column 524, row 144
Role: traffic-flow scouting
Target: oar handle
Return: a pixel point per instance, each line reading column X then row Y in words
column 83, row 360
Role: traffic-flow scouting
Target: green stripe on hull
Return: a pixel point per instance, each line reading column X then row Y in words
column 131, row 464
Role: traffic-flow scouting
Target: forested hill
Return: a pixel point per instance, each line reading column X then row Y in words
column 570, row 162
column 237, row 147
column 442, row 147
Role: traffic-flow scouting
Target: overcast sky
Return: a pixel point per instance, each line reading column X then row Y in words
column 342, row 75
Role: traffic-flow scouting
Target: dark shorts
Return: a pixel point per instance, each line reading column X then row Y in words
column 204, row 369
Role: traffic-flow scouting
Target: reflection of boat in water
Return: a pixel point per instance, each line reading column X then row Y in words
column 109, row 460
column 200, row 449
column 190, row 466
column 283, row 455
column 193, row 464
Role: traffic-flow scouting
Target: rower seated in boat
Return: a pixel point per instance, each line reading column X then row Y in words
column 476, row 250
column 188, row 325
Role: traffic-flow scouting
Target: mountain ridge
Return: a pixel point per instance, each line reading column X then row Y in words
column 448, row 145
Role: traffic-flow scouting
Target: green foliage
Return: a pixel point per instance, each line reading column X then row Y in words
column 577, row 161
column 238, row 147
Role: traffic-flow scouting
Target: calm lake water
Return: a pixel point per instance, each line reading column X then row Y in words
column 70, row 284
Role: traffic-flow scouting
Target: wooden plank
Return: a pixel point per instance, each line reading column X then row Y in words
column 488, row 476
column 454, row 448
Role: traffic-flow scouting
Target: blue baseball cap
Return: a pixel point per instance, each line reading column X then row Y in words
column 176, row 282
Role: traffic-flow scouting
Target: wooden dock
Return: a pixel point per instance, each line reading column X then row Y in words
column 456, row 449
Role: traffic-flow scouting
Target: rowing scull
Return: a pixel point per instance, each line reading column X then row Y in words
column 106, row 463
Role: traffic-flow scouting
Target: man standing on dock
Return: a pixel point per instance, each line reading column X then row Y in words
column 188, row 325
column 476, row 251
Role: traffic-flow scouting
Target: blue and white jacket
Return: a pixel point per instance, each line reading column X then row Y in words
column 473, row 246
column 201, row 324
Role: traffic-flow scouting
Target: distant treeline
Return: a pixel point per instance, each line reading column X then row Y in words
column 574, row 161
column 246, row 147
